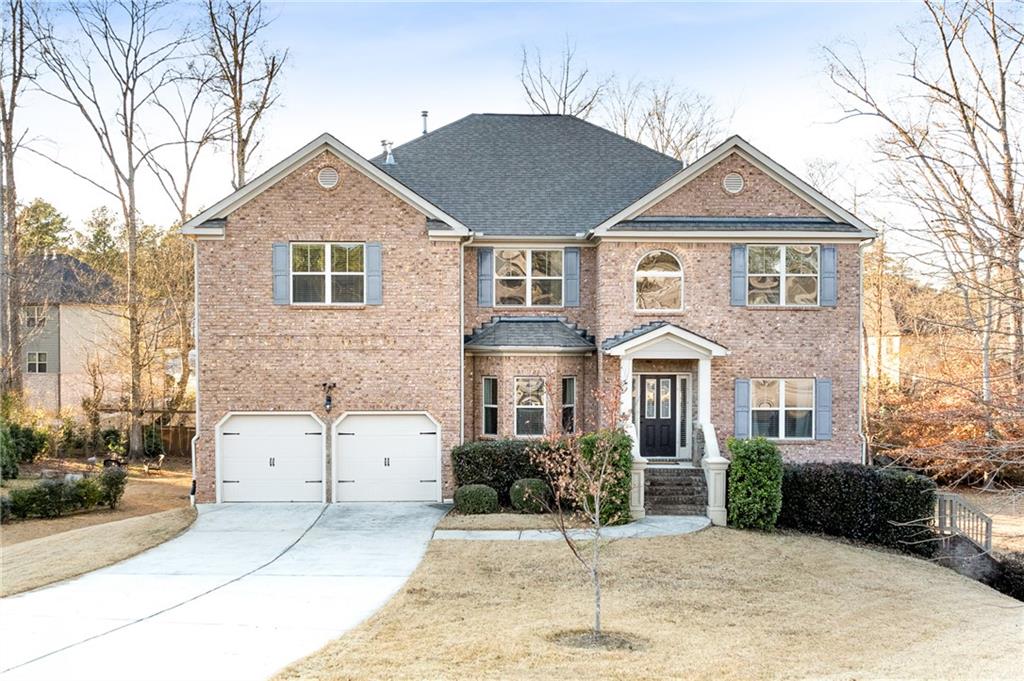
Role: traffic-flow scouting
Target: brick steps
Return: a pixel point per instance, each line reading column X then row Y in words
column 675, row 491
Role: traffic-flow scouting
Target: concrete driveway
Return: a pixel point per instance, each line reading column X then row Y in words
column 248, row 589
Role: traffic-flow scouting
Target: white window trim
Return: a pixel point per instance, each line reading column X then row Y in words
column 575, row 424
column 543, row 406
column 486, row 406
column 326, row 273
column 782, row 276
column 44, row 361
column 528, row 278
column 782, row 408
column 667, row 275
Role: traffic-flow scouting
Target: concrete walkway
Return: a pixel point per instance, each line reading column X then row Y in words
column 247, row 590
column 651, row 526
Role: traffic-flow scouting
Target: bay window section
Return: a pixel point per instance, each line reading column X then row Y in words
column 569, row 404
column 529, row 407
column 782, row 275
column 782, row 408
column 490, row 404
column 528, row 277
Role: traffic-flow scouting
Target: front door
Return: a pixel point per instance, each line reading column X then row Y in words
column 657, row 415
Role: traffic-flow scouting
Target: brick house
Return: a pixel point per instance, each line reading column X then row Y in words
column 357, row 318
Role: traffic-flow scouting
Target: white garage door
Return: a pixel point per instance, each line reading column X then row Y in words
column 386, row 457
column 271, row 457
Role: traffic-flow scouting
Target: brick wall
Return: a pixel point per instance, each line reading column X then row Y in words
column 257, row 356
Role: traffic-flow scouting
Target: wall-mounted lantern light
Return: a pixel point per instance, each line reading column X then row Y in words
column 328, row 402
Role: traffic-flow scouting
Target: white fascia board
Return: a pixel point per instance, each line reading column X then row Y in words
column 524, row 241
column 758, row 158
column 325, row 142
column 710, row 347
column 523, row 350
column 733, row 236
column 203, row 232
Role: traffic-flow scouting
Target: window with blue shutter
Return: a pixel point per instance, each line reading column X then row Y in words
column 823, row 409
column 280, row 267
column 829, row 280
column 738, row 276
column 374, row 274
column 572, row 277
column 741, row 413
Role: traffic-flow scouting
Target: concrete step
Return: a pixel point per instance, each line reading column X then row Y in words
column 658, row 482
column 675, row 500
column 678, row 509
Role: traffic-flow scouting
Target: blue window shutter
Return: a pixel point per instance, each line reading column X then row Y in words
column 738, row 275
column 572, row 277
column 741, row 415
column 828, row 276
column 823, row 409
column 282, row 275
column 485, row 277
column 374, row 274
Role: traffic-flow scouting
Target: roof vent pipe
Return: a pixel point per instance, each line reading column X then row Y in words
column 424, row 114
column 389, row 159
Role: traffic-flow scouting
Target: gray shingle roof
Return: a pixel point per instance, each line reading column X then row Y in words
column 637, row 331
column 63, row 279
column 528, row 175
column 730, row 224
column 530, row 332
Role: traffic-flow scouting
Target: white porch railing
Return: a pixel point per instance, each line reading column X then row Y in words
column 715, row 466
column 955, row 516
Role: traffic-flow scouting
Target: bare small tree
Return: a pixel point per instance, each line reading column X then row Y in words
column 246, row 76
column 564, row 87
column 130, row 48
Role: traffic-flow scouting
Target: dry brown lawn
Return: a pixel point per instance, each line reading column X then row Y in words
column 718, row 604
column 161, row 491
column 38, row 562
column 497, row 521
column 1006, row 507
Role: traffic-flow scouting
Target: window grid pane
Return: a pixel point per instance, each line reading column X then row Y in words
column 650, row 397
column 665, row 397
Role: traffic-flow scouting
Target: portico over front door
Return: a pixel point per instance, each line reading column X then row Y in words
column 657, row 415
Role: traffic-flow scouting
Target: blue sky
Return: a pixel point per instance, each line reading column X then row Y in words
column 364, row 71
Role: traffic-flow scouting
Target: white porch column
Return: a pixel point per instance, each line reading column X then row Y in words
column 636, row 491
column 714, row 464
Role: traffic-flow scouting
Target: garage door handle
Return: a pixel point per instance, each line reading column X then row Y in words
column 346, row 481
column 310, row 482
column 428, row 432
column 435, row 480
column 314, row 433
column 224, row 482
column 230, row 433
column 340, row 433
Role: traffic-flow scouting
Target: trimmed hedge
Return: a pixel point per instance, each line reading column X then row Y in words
column 495, row 463
column 530, row 495
column 8, row 457
column 476, row 499
column 113, row 481
column 873, row 505
column 615, row 504
column 1009, row 577
column 27, row 442
column 755, row 484
column 54, row 498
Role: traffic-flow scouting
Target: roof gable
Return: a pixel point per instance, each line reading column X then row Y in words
column 210, row 222
column 815, row 202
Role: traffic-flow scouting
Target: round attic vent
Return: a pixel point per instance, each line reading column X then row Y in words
column 327, row 177
column 733, row 183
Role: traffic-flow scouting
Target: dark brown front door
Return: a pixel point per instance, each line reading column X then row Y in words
column 657, row 415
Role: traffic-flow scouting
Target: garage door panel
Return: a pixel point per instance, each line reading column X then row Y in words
column 387, row 457
column 271, row 457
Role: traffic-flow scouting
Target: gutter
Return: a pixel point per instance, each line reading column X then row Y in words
column 861, row 377
column 462, row 337
column 195, row 339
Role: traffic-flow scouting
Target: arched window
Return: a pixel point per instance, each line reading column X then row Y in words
column 659, row 282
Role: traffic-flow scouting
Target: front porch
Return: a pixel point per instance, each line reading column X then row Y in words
column 665, row 381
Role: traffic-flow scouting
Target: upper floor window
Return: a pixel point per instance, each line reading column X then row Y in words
column 782, row 408
column 35, row 316
column 529, row 406
column 659, row 282
column 328, row 273
column 782, row 275
column 528, row 277
column 37, row 362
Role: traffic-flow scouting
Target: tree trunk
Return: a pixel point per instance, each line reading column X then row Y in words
column 135, row 448
column 13, row 273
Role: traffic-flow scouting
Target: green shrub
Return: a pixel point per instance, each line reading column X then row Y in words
column 530, row 495
column 152, row 443
column 1009, row 577
column 475, row 499
column 27, row 442
column 495, row 463
column 114, row 442
column 83, row 494
column 112, row 481
column 873, row 505
column 615, row 500
column 8, row 456
column 54, row 498
column 755, row 484
column 5, row 510
column 22, row 501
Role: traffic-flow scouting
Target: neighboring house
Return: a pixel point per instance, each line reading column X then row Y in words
column 882, row 338
column 487, row 279
column 69, row 321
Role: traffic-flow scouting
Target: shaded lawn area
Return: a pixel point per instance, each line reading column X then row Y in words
column 160, row 491
column 38, row 562
column 717, row 604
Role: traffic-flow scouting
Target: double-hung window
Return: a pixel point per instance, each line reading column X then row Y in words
column 782, row 275
column 782, row 408
column 490, row 404
column 37, row 362
column 569, row 404
column 529, row 406
column 530, row 277
column 35, row 316
column 328, row 273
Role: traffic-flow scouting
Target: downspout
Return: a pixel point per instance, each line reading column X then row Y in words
column 860, row 352
column 195, row 344
column 462, row 337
